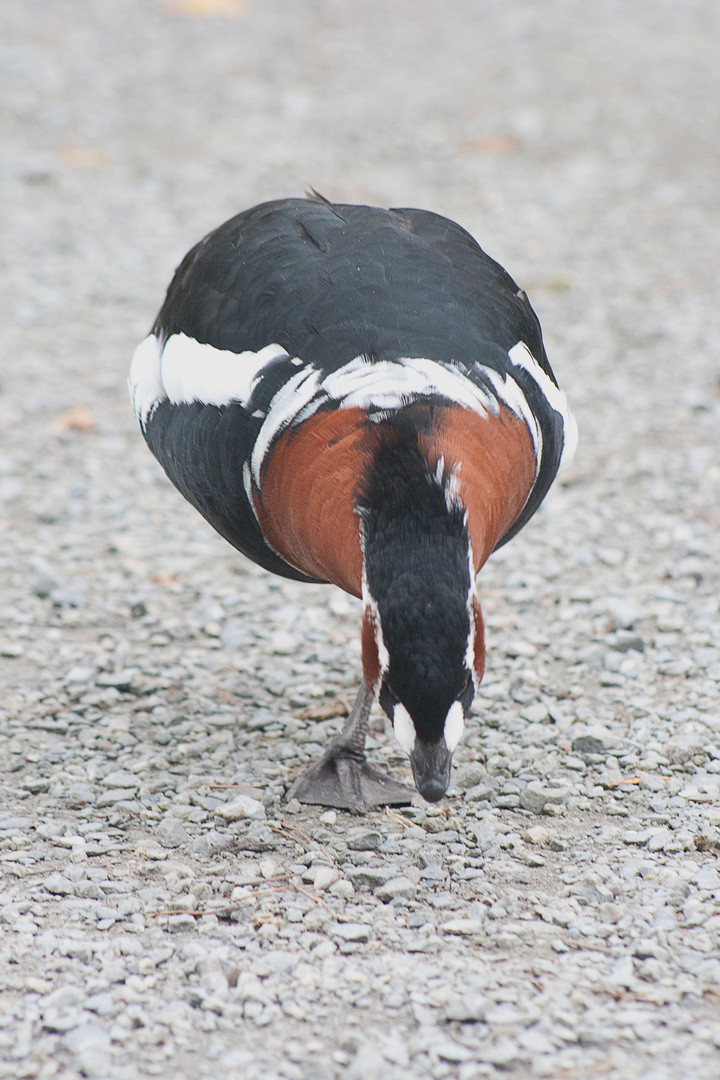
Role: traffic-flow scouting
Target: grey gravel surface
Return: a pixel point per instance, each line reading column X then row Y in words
column 163, row 911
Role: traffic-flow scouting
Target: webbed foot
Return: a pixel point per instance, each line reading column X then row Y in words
column 345, row 780
column 342, row 777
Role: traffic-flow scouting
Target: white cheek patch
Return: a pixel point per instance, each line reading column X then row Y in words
column 404, row 728
column 454, row 725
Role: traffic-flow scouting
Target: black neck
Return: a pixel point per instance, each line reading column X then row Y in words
column 417, row 571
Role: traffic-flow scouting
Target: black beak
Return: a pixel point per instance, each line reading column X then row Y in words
column 431, row 769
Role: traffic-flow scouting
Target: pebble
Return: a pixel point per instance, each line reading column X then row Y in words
column 394, row 889
column 109, row 798
column 242, row 806
column 363, row 839
column 536, row 797
column 637, row 837
column 469, row 1008
column 463, row 927
column 708, row 878
column 484, row 790
column 448, row 1050
column 324, row 878
column 178, row 923
column 121, row 779
column 59, row 885
column 352, row 932
column 370, row 876
column 170, row 833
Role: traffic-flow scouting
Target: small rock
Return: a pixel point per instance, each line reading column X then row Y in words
column 115, row 795
column 179, row 923
column 370, row 876
column 659, row 838
column 325, row 877
column 588, row 744
column 42, row 581
column 530, row 858
column 120, row 778
column 462, row 927
column 62, row 998
column 369, row 1064
column 170, row 833
column 11, row 649
column 36, row 786
column 467, row 1009
column 243, row 806
column 637, row 837
column 363, row 839
column 536, row 797
column 103, row 1003
column 535, row 714
column 644, row 949
column 121, row 680
column 150, row 849
column 610, row 913
column 268, row 867
column 329, row 818
column 452, row 1051
column 503, row 1054
column 576, row 764
column 87, row 1037
column 485, row 790
column 78, row 675
column 79, row 795
column 316, row 918
column 283, row 643
column 352, row 932
column 61, row 1022
column 468, row 775
column 538, row 834
column 622, row 973
column 649, row 782
column 343, row 889
column 708, row 878
column 59, row 885
column 210, row 843
column 396, row 887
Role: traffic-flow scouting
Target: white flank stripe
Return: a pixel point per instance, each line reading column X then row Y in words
column 195, row 372
column 522, row 357
column 145, row 385
column 184, row 370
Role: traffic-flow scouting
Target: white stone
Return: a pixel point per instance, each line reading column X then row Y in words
column 242, row 806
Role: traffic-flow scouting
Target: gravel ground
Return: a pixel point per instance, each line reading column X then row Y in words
column 163, row 910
